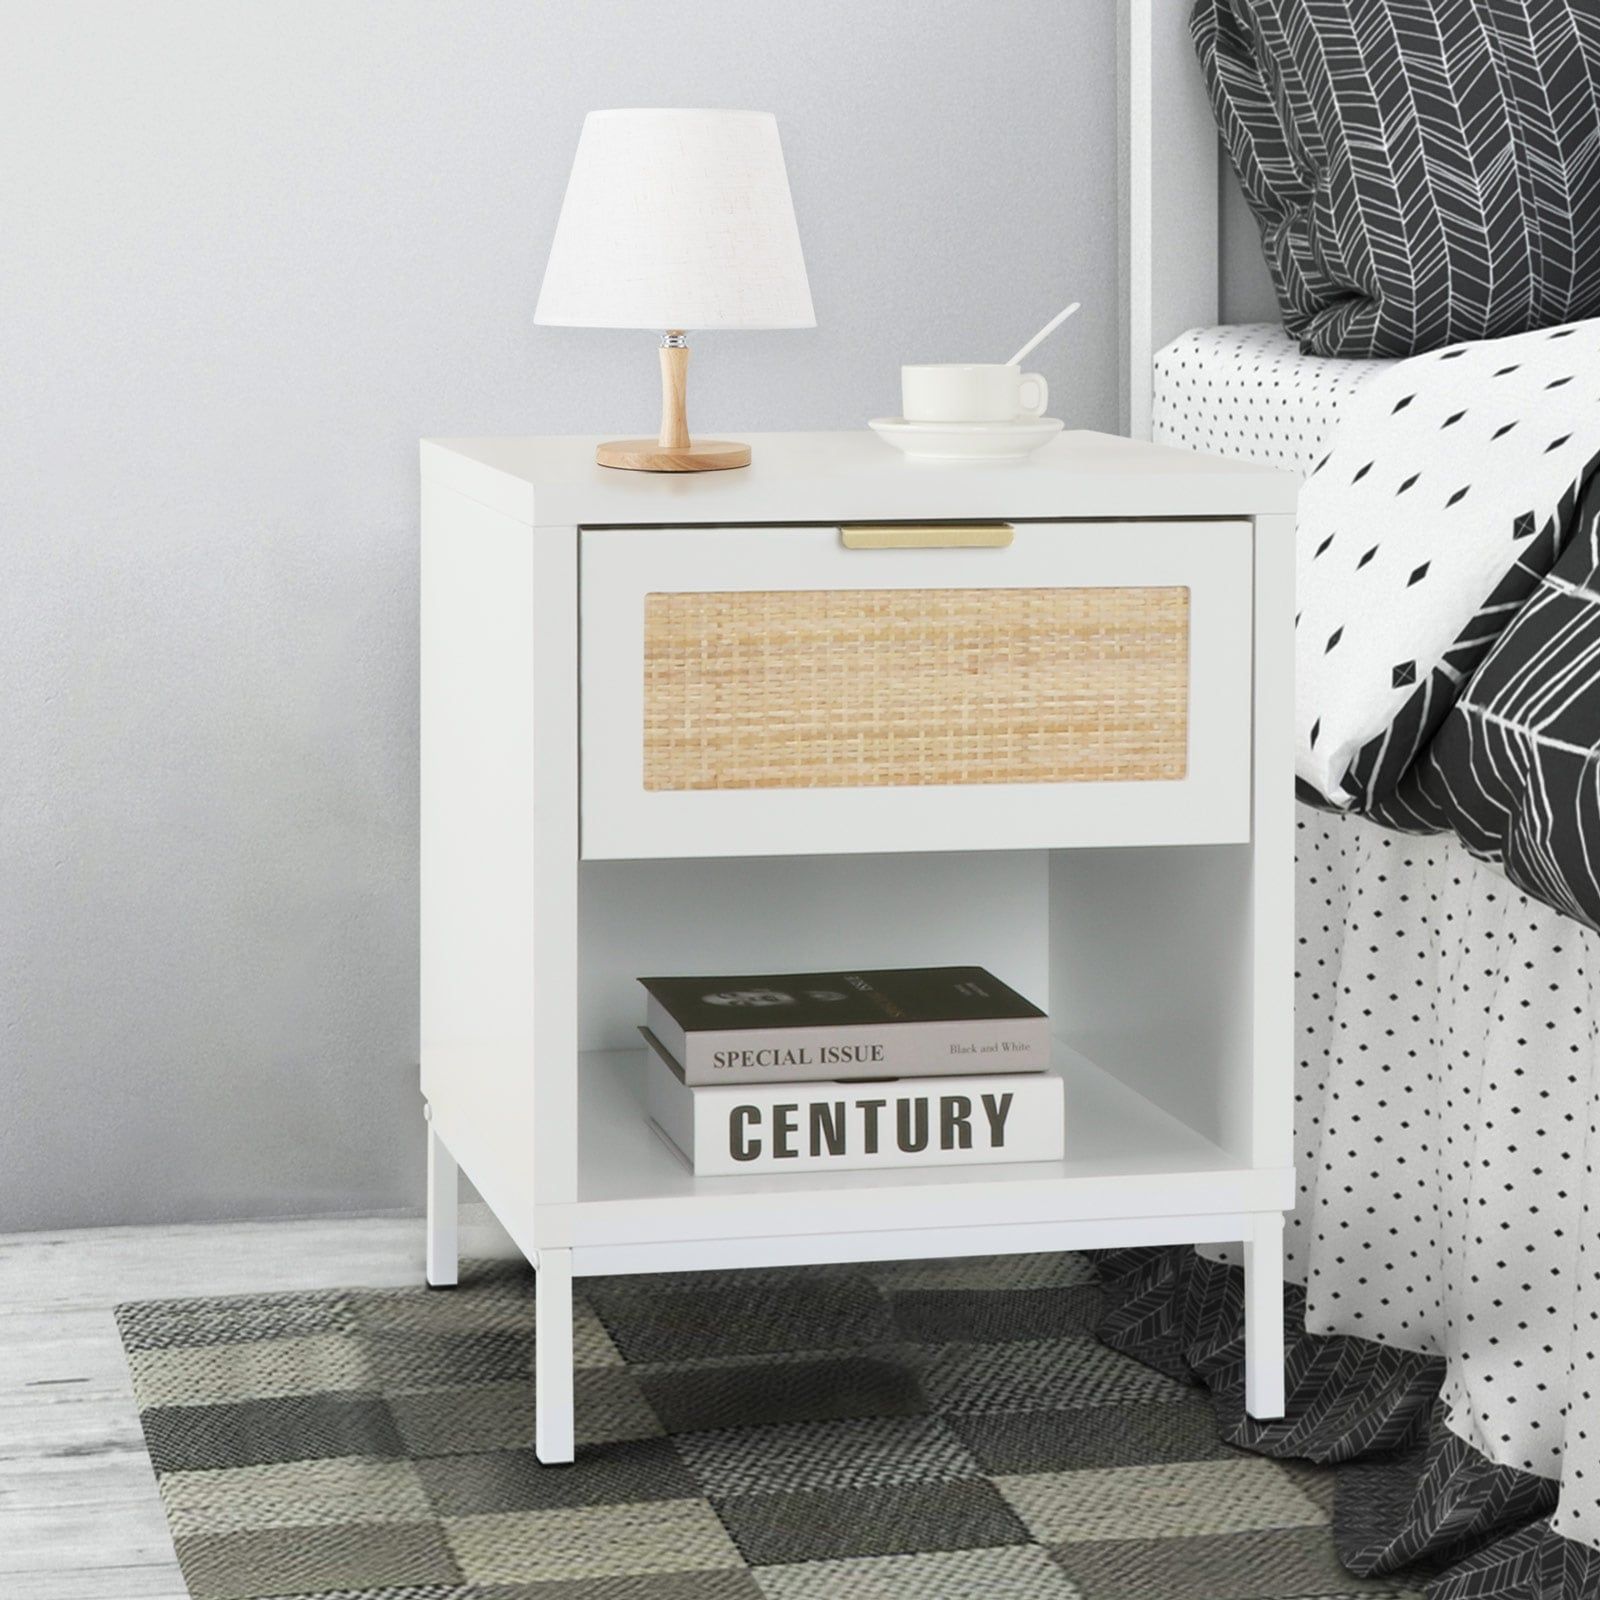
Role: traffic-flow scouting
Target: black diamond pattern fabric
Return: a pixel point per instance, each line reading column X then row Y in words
column 1423, row 171
column 1455, row 561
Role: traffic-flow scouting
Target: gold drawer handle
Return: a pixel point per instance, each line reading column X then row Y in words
column 926, row 535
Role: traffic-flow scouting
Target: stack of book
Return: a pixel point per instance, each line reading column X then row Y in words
column 800, row 1072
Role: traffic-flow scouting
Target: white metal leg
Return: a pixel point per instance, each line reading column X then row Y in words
column 552, row 1357
column 443, row 1189
column 1263, row 1317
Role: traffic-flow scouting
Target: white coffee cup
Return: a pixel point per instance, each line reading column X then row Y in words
column 971, row 391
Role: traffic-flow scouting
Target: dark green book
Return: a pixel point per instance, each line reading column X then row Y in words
column 802, row 1026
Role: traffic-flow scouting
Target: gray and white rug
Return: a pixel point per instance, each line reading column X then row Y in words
column 904, row 1431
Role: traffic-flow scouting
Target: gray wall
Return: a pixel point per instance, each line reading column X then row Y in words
column 252, row 252
column 1244, row 286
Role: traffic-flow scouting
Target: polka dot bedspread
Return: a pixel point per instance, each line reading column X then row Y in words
column 1448, row 1072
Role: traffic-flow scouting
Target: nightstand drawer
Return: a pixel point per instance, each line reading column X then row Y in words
column 771, row 691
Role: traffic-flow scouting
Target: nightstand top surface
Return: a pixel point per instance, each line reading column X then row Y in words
column 852, row 477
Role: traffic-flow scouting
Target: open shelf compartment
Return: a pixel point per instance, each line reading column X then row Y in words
column 1131, row 951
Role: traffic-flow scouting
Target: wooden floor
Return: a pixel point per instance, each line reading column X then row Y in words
column 79, row 1515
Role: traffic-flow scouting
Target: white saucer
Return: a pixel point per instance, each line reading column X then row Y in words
column 966, row 441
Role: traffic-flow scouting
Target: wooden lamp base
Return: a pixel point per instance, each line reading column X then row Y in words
column 646, row 455
column 674, row 451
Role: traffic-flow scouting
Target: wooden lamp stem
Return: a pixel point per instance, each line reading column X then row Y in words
column 674, row 450
column 674, row 355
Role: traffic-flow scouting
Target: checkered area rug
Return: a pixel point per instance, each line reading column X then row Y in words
column 904, row 1431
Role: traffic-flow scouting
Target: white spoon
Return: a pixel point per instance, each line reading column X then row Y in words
column 1043, row 334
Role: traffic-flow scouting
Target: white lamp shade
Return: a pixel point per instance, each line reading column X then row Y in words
column 677, row 219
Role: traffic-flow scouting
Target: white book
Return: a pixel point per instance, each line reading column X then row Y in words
column 733, row 1129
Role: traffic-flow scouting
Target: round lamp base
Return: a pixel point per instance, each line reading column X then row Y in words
column 647, row 455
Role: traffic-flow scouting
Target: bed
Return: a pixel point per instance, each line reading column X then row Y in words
column 1448, row 1117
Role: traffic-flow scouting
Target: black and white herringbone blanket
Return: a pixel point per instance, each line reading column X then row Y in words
column 1448, row 624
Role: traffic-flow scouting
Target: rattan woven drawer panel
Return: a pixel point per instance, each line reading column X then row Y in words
column 845, row 688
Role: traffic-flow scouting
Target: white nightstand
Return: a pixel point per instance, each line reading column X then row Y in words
column 678, row 724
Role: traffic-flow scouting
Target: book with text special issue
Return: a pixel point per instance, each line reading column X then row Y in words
column 796, row 1027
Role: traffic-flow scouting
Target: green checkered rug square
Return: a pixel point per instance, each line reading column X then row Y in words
column 902, row 1431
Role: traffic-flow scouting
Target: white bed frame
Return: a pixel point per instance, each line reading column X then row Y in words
column 1170, row 194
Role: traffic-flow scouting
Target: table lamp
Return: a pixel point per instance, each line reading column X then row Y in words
column 676, row 220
